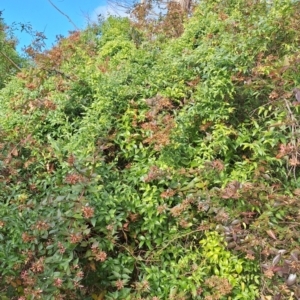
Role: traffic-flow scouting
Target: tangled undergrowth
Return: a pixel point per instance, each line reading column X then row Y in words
column 156, row 166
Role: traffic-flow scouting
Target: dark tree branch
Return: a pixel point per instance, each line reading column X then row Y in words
column 57, row 72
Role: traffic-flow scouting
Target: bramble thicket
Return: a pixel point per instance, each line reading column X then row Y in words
column 155, row 158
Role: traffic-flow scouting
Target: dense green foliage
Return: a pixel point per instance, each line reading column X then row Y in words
column 10, row 61
column 139, row 166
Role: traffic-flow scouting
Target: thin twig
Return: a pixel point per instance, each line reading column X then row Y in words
column 63, row 14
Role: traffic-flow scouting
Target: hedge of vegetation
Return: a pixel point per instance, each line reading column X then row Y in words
column 139, row 165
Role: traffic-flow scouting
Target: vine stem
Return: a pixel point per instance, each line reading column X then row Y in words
column 11, row 61
column 176, row 238
column 69, row 19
